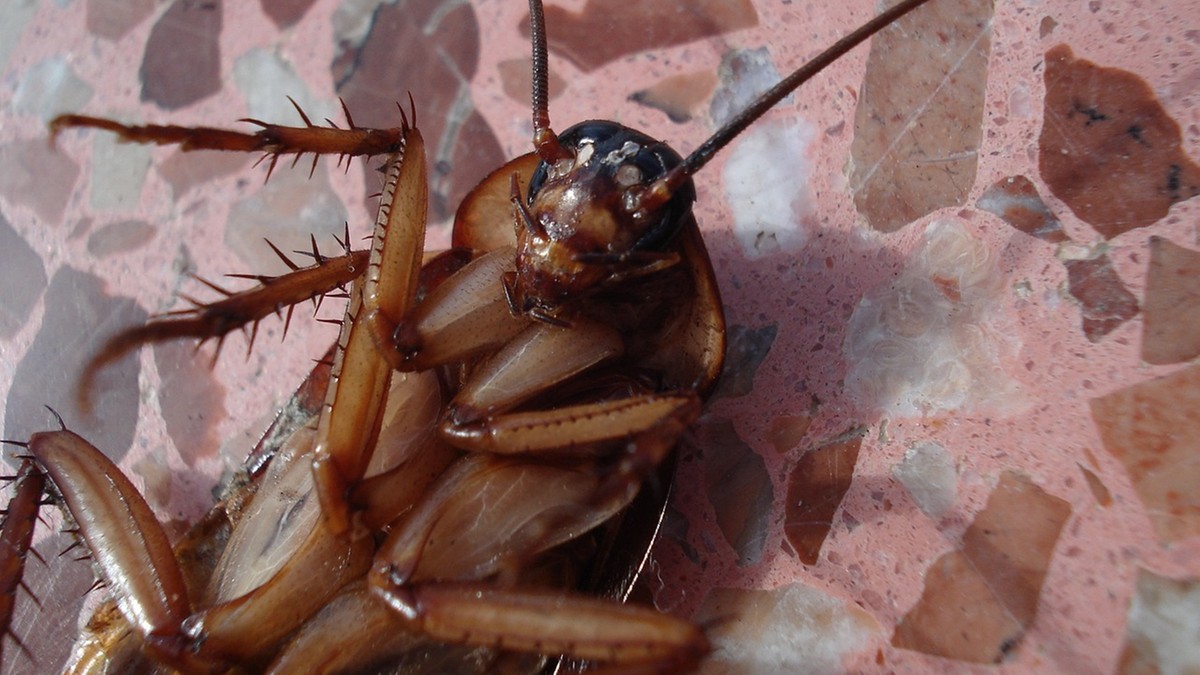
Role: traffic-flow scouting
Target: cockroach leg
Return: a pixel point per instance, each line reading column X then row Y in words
column 127, row 542
column 272, row 139
column 355, row 632
column 361, row 373
column 15, row 539
column 217, row 319
column 496, row 495
column 253, row 623
column 575, row 428
column 347, row 433
column 551, row 622
column 517, row 507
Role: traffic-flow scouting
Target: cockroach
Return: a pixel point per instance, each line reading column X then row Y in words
column 488, row 415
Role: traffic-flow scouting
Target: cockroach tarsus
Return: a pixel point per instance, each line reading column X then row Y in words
column 488, row 415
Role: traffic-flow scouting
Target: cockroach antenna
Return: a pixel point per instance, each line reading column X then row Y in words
column 666, row 186
column 550, row 149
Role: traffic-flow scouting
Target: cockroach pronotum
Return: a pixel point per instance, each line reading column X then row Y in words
column 535, row 384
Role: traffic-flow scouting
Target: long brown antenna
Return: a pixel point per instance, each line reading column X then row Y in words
column 545, row 141
column 664, row 187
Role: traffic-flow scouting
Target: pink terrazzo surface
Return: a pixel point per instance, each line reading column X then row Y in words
column 1070, row 424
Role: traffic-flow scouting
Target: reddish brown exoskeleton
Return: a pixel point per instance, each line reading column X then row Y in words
column 488, row 415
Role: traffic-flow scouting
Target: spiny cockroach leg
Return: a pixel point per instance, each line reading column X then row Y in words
column 217, row 319
column 127, row 542
column 361, row 374
column 273, row 139
column 19, row 520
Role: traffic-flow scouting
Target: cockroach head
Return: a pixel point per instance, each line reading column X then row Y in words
column 606, row 201
column 592, row 217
